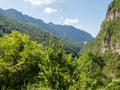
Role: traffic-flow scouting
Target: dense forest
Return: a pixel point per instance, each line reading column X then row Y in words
column 33, row 59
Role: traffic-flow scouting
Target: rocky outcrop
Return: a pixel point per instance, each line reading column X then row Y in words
column 106, row 42
column 112, row 14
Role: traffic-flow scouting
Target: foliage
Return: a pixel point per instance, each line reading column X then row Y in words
column 19, row 60
column 25, row 63
column 113, row 85
column 90, row 75
column 115, row 4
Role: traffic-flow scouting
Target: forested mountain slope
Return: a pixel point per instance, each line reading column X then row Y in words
column 37, row 33
column 109, row 35
column 104, row 52
column 62, row 31
column 108, row 40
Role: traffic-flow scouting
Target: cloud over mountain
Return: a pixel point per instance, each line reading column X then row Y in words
column 40, row 2
column 69, row 21
column 50, row 10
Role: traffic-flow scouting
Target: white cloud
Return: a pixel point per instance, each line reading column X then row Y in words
column 40, row 2
column 78, row 26
column 73, row 22
column 69, row 21
column 50, row 10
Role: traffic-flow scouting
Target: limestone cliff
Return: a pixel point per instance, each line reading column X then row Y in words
column 108, row 38
column 107, row 41
column 112, row 14
column 113, row 10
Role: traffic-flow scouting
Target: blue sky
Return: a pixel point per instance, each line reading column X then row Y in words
column 83, row 14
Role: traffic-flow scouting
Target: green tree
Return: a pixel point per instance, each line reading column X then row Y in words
column 19, row 61
column 59, row 71
column 90, row 75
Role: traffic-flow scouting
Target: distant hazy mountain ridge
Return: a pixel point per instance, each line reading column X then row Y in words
column 62, row 31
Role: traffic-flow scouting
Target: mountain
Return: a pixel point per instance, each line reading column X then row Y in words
column 108, row 37
column 100, row 60
column 62, row 31
column 38, row 34
column 107, row 41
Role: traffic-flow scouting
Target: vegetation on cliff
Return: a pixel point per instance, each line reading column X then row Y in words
column 115, row 4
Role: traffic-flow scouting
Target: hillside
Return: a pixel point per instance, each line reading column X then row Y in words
column 102, row 56
column 62, row 31
column 108, row 37
column 38, row 34
column 108, row 40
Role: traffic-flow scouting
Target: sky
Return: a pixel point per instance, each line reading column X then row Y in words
column 86, row 15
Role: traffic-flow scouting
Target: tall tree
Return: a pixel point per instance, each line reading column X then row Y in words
column 19, row 60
